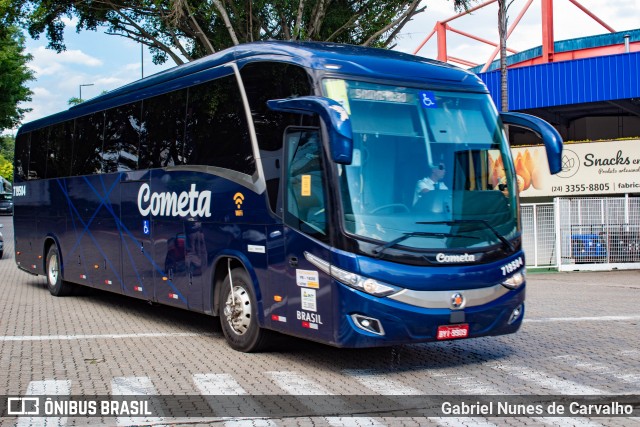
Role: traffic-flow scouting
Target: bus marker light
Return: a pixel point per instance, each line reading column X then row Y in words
column 277, row 318
column 108, row 282
column 39, row 256
column 33, row 266
column 165, row 278
column 96, row 266
column 277, row 298
column 137, row 288
column 83, row 276
column 451, row 332
column 18, row 253
column 174, row 296
column 309, row 325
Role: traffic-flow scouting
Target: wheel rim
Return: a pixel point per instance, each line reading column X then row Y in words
column 52, row 272
column 238, row 315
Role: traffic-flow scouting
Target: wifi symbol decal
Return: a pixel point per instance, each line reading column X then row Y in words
column 238, row 198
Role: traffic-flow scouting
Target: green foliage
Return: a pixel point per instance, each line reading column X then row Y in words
column 6, row 169
column 14, row 74
column 7, row 147
column 75, row 101
column 191, row 29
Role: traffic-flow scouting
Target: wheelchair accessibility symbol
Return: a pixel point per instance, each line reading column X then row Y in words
column 145, row 227
column 428, row 99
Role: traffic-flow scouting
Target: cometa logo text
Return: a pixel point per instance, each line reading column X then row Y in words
column 455, row 258
column 188, row 203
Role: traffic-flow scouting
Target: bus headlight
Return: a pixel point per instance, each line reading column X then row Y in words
column 514, row 281
column 365, row 284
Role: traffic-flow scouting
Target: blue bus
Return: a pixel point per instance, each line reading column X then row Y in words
column 284, row 187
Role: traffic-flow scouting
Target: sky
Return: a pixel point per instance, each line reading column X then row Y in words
column 107, row 62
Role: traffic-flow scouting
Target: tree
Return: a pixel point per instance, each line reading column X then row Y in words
column 14, row 74
column 184, row 30
column 6, row 169
column 7, row 144
column 7, row 147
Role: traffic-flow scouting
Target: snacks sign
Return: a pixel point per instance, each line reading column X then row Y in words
column 611, row 167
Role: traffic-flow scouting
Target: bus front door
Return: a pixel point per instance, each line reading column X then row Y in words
column 310, row 305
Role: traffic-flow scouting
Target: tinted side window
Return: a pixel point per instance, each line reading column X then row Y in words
column 217, row 133
column 121, row 138
column 21, row 158
column 38, row 156
column 273, row 80
column 59, row 150
column 162, row 140
column 87, row 148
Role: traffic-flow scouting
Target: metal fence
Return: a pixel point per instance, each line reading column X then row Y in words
column 582, row 233
column 539, row 234
column 598, row 233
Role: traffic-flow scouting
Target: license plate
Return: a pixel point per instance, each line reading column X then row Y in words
column 452, row 332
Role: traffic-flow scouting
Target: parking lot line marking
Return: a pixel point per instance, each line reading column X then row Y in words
column 600, row 368
column 582, row 319
column 135, row 386
column 466, row 384
column 381, row 384
column 226, row 385
column 388, row 387
column 45, row 388
column 297, row 384
column 548, row 382
column 218, row 384
column 98, row 336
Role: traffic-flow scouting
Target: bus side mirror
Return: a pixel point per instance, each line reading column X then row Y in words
column 550, row 136
column 334, row 116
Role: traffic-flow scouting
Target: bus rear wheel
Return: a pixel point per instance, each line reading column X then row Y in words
column 238, row 315
column 57, row 286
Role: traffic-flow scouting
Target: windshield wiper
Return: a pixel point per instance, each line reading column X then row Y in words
column 380, row 249
column 495, row 232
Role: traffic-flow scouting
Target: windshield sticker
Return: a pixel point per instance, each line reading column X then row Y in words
column 379, row 95
column 428, row 99
column 337, row 90
column 307, row 279
column 306, row 186
column 308, row 297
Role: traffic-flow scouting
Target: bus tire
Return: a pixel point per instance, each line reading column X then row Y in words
column 240, row 320
column 57, row 286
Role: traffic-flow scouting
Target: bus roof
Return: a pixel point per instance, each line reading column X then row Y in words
column 340, row 59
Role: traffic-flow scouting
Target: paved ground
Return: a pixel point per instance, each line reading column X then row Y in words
column 581, row 337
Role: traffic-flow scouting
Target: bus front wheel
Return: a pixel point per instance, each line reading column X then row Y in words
column 238, row 315
column 57, row 286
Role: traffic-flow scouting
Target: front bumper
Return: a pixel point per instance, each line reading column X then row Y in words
column 407, row 323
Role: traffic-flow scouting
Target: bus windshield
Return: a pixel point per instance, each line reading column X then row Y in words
column 431, row 169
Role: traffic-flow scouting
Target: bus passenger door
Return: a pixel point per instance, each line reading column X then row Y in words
column 137, row 251
column 308, row 288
